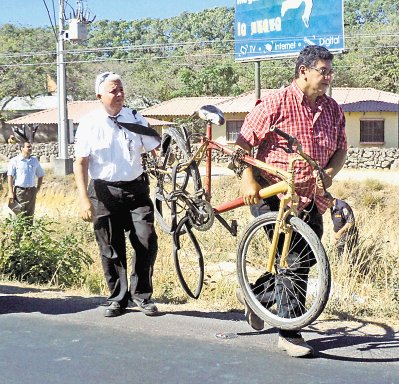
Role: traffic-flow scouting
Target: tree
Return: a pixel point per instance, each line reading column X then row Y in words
column 21, row 70
column 23, row 62
column 212, row 80
column 372, row 40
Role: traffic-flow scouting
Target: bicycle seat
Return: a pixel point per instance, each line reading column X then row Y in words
column 212, row 114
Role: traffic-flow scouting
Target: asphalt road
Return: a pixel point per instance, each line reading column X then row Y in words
column 49, row 337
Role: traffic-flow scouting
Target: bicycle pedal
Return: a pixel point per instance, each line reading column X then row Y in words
column 234, row 227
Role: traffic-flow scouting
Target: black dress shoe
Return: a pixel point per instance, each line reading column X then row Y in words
column 113, row 310
column 147, row 306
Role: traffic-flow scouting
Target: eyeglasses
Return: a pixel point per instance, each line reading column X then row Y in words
column 324, row 71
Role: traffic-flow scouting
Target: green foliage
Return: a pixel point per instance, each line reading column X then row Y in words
column 21, row 52
column 39, row 254
column 212, row 80
column 361, row 12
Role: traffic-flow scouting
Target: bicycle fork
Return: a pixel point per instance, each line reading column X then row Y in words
column 280, row 227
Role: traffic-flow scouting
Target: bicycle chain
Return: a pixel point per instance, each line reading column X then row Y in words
column 238, row 163
column 150, row 165
column 201, row 215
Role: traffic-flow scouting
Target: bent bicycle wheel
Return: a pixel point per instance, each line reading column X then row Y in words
column 189, row 262
column 169, row 204
column 296, row 294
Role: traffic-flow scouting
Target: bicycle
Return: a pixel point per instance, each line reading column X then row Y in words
column 276, row 246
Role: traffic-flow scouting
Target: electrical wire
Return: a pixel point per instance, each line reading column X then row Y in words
column 54, row 16
column 165, row 46
column 51, row 21
column 175, row 61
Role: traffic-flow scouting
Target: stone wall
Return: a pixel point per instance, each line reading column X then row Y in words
column 372, row 158
column 46, row 152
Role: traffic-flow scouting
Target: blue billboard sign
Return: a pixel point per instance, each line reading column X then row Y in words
column 271, row 28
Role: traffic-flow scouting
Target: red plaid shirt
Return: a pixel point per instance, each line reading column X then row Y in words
column 321, row 133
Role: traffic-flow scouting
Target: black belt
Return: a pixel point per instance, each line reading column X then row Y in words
column 122, row 184
column 24, row 188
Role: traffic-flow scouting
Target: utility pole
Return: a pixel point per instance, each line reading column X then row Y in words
column 257, row 81
column 63, row 164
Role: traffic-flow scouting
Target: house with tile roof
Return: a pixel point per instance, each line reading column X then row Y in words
column 47, row 120
column 372, row 116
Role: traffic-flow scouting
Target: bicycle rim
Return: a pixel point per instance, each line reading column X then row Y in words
column 283, row 299
column 176, row 149
column 189, row 262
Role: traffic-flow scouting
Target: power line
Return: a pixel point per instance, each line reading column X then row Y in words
column 51, row 21
column 172, row 60
column 168, row 56
column 165, row 46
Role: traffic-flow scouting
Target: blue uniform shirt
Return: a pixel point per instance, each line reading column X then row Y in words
column 24, row 170
column 341, row 213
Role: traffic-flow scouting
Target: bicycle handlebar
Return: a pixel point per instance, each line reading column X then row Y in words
column 292, row 140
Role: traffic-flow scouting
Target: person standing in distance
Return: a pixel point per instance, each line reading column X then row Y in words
column 22, row 188
column 305, row 111
column 345, row 230
column 116, row 198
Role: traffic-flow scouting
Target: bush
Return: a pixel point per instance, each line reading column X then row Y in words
column 37, row 253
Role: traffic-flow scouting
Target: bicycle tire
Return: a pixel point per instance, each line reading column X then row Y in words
column 188, row 259
column 175, row 148
column 264, row 293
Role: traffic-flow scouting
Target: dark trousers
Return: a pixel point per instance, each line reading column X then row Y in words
column 349, row 241
column 290, row 297
column 27, row 198
column 125, row 207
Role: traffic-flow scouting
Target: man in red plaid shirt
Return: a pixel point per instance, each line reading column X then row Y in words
column 305, row 111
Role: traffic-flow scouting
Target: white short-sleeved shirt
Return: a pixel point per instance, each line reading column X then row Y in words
column 114, row 153
column 24, row 170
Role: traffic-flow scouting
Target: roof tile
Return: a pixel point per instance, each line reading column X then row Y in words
column 76, row 110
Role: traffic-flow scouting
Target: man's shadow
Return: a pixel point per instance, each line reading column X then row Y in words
column 357, row 343
column 12, row 301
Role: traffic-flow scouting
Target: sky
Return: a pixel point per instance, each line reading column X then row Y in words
column 33, row 13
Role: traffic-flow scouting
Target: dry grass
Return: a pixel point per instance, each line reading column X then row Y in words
column 363, row 285
column 366, row 283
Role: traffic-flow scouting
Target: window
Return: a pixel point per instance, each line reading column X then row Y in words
column 233, row 129
column 372, row 131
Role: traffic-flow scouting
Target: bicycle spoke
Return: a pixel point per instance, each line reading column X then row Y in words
column 295, row 294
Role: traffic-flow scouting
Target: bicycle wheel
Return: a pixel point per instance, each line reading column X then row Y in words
column 189, row 262
column 170, row 207
column 294, row 296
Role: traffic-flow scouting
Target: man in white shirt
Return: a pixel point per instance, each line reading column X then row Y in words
column 116, row 198
column 23, row 170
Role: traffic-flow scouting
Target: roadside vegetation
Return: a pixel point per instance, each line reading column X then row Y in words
column 60, row 251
